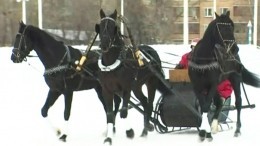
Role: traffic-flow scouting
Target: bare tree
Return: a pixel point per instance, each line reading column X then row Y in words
column 8, row 25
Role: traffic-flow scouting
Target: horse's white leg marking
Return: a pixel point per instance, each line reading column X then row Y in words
column 48, row 121
column 205, row 123
column 58, row 131
column 65, row 128
column 110, row 130
column 214, row 126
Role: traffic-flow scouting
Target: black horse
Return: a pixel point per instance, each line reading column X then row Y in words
column 214, row 59
column 120, row 73
column 60, row 74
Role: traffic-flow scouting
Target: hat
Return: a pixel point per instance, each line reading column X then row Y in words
column 194, row 41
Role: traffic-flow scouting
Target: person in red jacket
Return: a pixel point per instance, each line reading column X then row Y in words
column 183, row 64
column 225, row 89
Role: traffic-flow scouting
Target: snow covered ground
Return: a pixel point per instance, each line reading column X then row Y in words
column 23, row 93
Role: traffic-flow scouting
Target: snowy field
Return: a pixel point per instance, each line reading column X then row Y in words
column 23, row 93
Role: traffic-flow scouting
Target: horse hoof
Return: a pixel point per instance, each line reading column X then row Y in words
column 63, row 138
column 44, row 113
column 209, row 137
column 114, row 129
column 202, row 135
column 144, row 133
column 123, row 113
column 130, row 133
column 58, row 132
column 150, row 127
column 237, row 134
column 108, row 141
column 205, row 135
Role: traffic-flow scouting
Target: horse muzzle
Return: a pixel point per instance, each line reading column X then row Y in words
column 16, row 56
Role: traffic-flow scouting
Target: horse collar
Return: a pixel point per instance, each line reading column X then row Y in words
column 109, row 67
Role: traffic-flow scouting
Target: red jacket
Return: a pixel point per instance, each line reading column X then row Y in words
column 224, row 88
column 184, row 60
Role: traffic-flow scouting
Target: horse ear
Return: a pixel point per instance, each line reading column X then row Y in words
column 21, row 22
column 114, row 15
column 217, row 16
column 97, row 28
column 228, row 13
column 102, row 13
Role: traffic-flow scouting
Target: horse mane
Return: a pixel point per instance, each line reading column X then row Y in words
column 41, row 36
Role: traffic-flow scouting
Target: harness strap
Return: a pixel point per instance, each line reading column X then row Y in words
column 58, row 68
column 202, row 67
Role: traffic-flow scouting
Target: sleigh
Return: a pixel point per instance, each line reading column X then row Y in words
column 170, row 115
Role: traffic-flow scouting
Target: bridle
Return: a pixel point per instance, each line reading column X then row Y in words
column 232, row 42
column 111, row 40
column 17, row 52
column 22, row 54
column 111, row 45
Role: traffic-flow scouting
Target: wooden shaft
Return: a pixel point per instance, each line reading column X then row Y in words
column 136, row 49
column 82, row 60
column 84, row 56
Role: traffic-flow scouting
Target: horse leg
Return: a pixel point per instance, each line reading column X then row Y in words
column 151, row 88
column 68, row 100
column 108, row 96
column 147, row 104
column 139, row 94
column 51, row 98
column 124, row 113
column 117, row 101
column 205, row 131
column 219, row 104
column 236, row 86
column 98, row 90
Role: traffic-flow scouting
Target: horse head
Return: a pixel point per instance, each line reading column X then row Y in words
column 22, row 45
column 223, row 31
column 107, row 29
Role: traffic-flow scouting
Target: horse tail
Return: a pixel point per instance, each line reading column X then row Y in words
column 250, row 78
column 154, row 57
